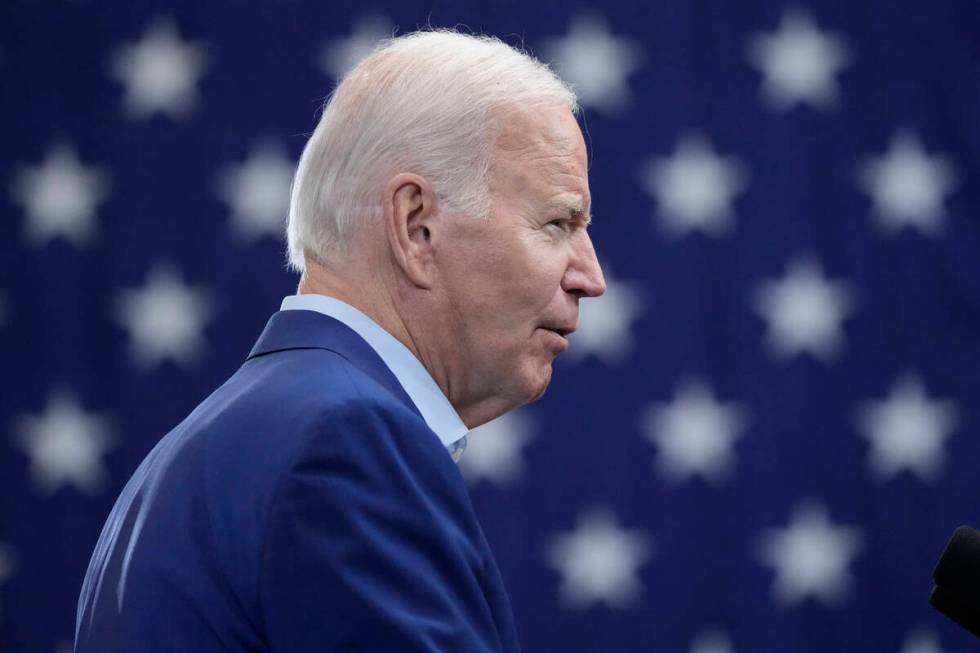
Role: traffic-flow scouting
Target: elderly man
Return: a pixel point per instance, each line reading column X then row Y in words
column 312, row 503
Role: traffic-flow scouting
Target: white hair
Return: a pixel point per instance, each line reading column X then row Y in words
column 421, row 103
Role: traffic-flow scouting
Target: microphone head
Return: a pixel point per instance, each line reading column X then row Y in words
column 957, row 576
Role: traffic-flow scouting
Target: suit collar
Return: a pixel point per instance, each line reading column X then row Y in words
column 297, row 329
column 413, row 377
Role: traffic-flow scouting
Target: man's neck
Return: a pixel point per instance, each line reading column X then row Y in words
column 365, row 297
column 371, row 298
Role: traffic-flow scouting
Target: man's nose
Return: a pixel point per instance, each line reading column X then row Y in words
column 584, row 275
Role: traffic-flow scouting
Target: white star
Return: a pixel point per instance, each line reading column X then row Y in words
column 595, row 63
column 799, row 62
column 907, row 431
column 338, row 56
column 493, row 451
column 907, row 186
column 599, row 561
column 604, row 322
column 810, row 557
column 66, row 445
column 160, row 72
column 694, row 434
column 695, row 188
column 165, row 319
column 258, row 191
column 804, row 311
column 712, row 641
column 60, row 197
column 922, row 641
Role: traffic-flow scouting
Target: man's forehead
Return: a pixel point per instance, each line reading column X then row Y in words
column 522, row 128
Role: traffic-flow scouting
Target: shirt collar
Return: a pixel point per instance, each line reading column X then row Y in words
column 418, row 384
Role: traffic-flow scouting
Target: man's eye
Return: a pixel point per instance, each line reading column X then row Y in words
column 562, row 224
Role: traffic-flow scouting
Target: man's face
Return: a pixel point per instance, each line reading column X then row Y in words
column 513, row 281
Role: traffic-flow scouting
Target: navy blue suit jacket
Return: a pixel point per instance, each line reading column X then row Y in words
column 304, row 506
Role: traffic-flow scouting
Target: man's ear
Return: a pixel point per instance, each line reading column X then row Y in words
column 410, row 215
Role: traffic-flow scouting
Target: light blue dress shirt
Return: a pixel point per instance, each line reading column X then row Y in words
column 418, row 384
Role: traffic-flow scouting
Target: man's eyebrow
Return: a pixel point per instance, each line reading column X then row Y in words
column 574, row 205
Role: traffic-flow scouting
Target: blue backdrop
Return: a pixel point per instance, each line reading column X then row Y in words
column 761, row 436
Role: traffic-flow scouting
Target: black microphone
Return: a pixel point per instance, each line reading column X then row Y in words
column 957, row 576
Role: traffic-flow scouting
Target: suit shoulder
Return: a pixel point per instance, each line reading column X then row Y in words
column 278, row 403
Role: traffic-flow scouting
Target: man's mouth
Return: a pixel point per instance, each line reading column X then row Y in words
column 562, row 332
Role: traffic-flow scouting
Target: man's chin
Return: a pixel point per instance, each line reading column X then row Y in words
column 540, row 383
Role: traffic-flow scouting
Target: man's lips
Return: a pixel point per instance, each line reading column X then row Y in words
column 561, row 334
column 562, row 330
